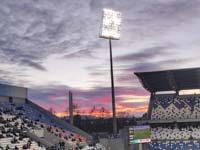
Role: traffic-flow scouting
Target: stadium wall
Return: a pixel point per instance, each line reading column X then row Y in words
column 4, row 99
column 19, row 100
column 14, row 92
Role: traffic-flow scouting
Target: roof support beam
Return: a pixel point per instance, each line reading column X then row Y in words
column 172, row 81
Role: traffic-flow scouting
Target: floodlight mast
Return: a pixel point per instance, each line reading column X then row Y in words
column 111, row 30
column 113, row 90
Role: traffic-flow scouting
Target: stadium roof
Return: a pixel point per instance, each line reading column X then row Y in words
column 170, row 80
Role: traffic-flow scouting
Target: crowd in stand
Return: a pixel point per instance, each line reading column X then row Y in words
column 43, row 122
column 176, row 107
column 171, row 136
column 69, row 137
column 186, row 132
column 18, row 119
column 13, row 129
column 174, row 145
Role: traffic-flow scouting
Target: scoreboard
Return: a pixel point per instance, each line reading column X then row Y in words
column 139, row 134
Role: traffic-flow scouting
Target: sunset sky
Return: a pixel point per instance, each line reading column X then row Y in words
column 53, row 46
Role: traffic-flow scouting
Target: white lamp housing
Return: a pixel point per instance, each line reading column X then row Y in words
column 111, row 24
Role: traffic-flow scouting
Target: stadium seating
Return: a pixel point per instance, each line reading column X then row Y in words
column 175, row 136
column 175, row 107
column 175, row 133
column 16, row 119
column 28, row 118
column 174, row 145
column 41, row 120
column 13, row 130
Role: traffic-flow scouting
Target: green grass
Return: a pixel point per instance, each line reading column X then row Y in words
column 142, row 134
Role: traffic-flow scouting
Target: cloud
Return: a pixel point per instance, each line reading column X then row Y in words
column 164, row 33
column 158, row 65
column 144, row 54
column 57, row 95
column 79, row 54
column 32, row 64
column 37, row 30
column 85, row 99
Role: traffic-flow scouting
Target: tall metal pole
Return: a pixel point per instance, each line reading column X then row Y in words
column 71, row 117
column 113, row 90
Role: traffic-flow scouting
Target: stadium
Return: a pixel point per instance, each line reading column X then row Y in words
column 174, row 118
column 80, row 75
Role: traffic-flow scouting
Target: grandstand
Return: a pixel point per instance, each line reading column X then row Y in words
column 25, row 125
column 174, row 118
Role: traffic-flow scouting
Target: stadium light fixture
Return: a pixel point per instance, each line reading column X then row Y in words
column 110, row 29
column 111, row 24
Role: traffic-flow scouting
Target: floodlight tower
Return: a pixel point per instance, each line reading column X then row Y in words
column 71, row 117
column 110, row 29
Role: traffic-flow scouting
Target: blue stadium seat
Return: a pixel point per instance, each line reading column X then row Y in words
column 174, row 145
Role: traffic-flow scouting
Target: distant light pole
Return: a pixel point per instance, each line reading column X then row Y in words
column 71, row 117
column 110, row 29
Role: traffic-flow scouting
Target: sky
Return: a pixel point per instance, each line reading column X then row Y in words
column 53, row 46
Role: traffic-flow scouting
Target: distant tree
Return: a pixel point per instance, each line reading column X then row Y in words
column 123, row 114
column 76, row 110
column 102, row 112
column 91, row 112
